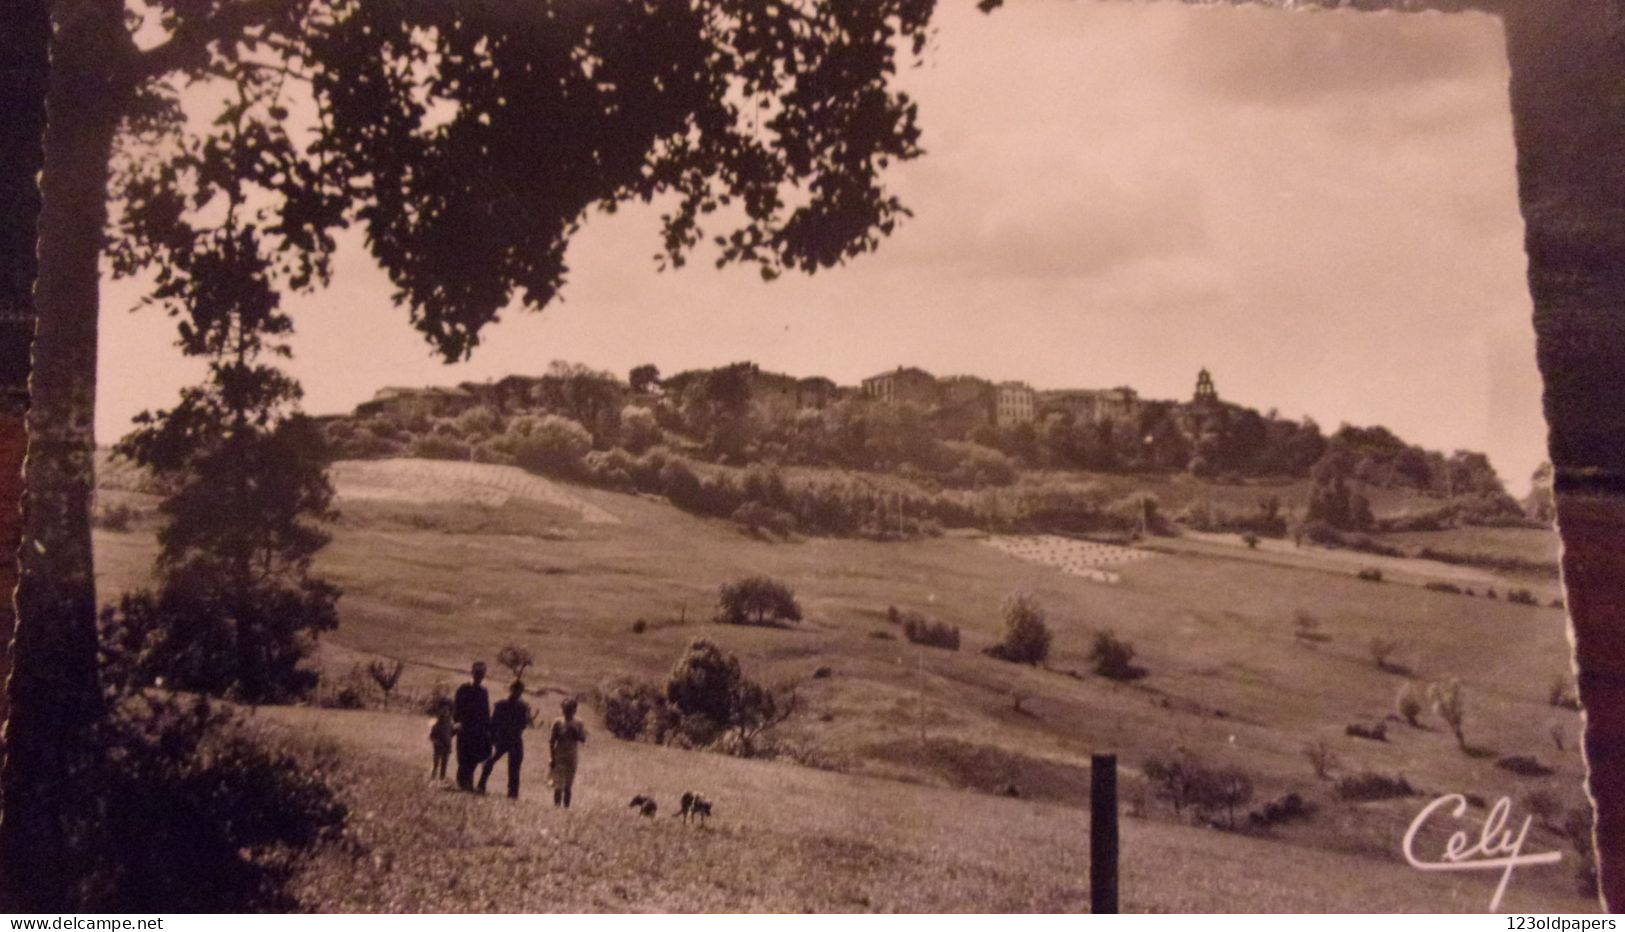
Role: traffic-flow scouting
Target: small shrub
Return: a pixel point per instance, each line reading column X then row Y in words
column 640, row 626
column 1251, row 540
column 1409, row 705
column 1113, row 657
column 1370, row 574
column 823, row 673
column 198, row 815
column 350, row 693
column 552, row 444
column 881, row 634
column 1372, row 786
column 1308, row 627
column 920, row 630
column 1436, row 586
column 635, row 710
column 1322, row 758
column 1522, row 597
column 1026, row 635
column 762, row 519
column 1376, row 732
column 639, row 429
column 1523, row 766
column 1556, row 603
column 1288, row 808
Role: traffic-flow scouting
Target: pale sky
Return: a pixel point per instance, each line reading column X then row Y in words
column 1318, row 207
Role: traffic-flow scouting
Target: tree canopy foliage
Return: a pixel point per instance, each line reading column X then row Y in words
column 470, row 140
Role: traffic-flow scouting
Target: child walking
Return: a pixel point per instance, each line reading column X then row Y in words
column 563, row 744
column 440, row 735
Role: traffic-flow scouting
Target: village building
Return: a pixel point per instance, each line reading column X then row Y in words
column 429, row 401
column 1206, row 394
column 1091, row 405
column 964, row 403
column 1014, row 403
column 903, row 385
column 816, row 393
column 773, row 395
column 1205, row 413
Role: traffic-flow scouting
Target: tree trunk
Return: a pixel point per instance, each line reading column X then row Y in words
column 23, row 69
column 54, row 691
column 1568, row 108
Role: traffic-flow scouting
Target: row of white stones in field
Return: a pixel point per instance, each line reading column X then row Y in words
column 1074, row 557
column 436, row 481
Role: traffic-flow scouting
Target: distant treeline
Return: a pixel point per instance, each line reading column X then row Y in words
column 704, row 427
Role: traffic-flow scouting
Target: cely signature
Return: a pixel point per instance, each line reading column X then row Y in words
column 1496, row 848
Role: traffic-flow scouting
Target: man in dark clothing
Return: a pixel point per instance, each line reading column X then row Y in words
column 508, row 721
column 471, row 710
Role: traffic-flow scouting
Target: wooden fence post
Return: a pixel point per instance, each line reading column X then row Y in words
column 1103, row 833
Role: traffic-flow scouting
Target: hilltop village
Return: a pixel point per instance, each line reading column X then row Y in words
column 743, row 414
column 964, row 402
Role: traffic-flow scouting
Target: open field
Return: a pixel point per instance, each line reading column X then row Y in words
column 1228, row 678
column 1515, row 543
column 787, row 838
column 1406, row 570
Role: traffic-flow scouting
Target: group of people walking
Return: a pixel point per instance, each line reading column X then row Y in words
column 484, row 734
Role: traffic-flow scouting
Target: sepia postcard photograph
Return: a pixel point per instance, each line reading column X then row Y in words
column 778, row 456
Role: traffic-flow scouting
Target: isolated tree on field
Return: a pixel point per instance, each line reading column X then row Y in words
column 704, row 681
column 758, row 600
column 707, row 684
column 1026, row 636
column 1222, row 790
column 1174, row 778
column 237, row 610
column 469, row 141
column 1447, row 702
column 517, row 659
column 386, row 675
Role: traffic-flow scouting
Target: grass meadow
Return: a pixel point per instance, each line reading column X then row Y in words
column 890, row 793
